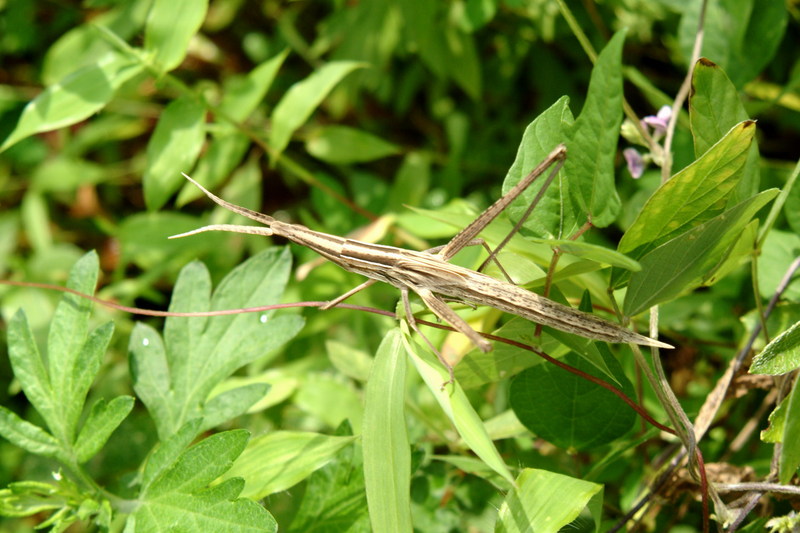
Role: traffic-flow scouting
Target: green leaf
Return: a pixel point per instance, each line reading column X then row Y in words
column 27, row 436
column 780, row 356
column 73, row 355
column 778, row 251
column 178, row 495
column 568, row 410
column 244, row 93
column 172, row 149
column 103, row 420
column 65, row 173
column 714, row 108
column 223, row 154
column 144, row 239
column 226, row 343
column 58, row 392
column 692, row 196
column 552, row 215
column 344, row 145
column 228, row 145
column 80, row 46
column 175, row 378
column 790, row 452
column 387, row 456
column 740, row 35
column 455, row 404
column 28, row 367
column 150, row 373
column 689, row 260
column 214, row 509
column 302, row 99
column 200, row 464
column 349, row 360
column 75, row 98
column 334, row 497
column 278, row 460
column 87, row 365
column 232, row 403
column 411, row 182
column 442, row 45
column 167, row 452
column 714, row 105
column 593, row 140
column 547, row 502
column 26, row 498
column 478, row 368
column 170, row 26
column 192, row 292
column 598, row 254
column 777, row 422
column 9, row 227
column 281, row 385
column 330, row 400
column 478, row 13
column 742, row 249
column 36, row 221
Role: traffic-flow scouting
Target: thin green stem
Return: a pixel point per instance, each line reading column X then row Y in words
column 683, row 93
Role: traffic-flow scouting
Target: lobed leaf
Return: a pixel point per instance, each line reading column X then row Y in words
column 87, row 366
column 167, row 452
column 232, row 403
column 28, row 366
column 176, row 377
column 103, row 419
column 215, row 509
column 151, row 375
column 199, row 464
column 28, row 436
column 177, row 494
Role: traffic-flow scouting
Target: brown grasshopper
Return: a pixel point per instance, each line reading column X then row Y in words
column 430, row 275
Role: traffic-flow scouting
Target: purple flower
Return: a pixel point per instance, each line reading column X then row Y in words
column 635, row 162
column 659, row 121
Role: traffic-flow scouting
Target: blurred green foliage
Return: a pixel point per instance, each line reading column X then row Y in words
column 341, row 115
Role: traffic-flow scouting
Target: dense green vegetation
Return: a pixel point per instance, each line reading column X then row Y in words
column 397, row 122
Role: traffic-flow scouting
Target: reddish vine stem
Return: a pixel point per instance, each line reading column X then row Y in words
column 150, row 312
